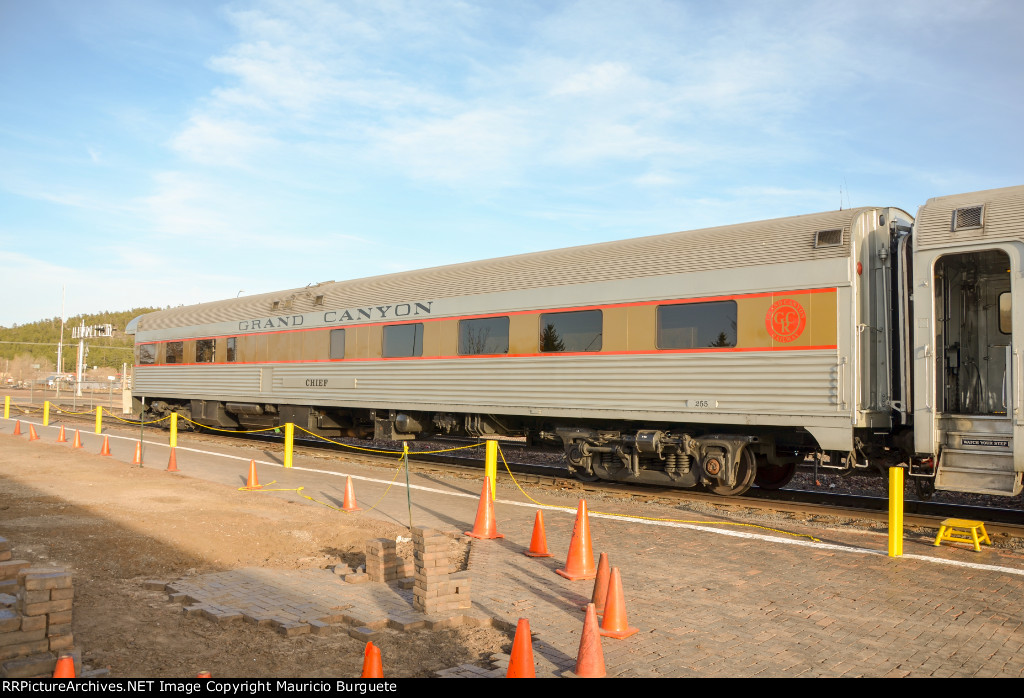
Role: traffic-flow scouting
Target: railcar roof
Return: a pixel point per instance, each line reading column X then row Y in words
column 761, row 242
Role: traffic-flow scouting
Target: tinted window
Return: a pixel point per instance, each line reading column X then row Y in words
column 231, row 348
column 337, row 344
column 696, row 325
column 205, row 349
column 1005, row 308
column 578, row 330
column 175, row 352
column 403, row 340
column 487, row 335
column 147, row 353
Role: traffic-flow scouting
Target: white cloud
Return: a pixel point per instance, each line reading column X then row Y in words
column 210, row 140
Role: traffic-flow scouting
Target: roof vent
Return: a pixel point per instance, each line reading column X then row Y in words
column 969, row 217
column 319, row 300
column 828, row 238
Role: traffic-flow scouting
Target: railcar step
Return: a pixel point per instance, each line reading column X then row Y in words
column 981, row 472
column 979, row 441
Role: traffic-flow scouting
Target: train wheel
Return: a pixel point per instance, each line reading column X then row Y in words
column 744, row 478
column 774, row 477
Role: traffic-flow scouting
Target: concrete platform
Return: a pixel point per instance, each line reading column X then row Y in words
column 713, row 594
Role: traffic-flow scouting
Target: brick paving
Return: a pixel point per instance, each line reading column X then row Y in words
column 708, row 600
column 706, row 605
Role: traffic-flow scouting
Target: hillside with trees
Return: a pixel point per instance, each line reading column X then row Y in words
column 35, row 343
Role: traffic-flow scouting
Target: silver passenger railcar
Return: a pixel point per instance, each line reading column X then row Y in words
column 718, row 357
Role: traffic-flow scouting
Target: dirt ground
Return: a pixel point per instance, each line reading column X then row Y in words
column 114, row 527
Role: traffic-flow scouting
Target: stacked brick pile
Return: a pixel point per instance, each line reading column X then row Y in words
column 35, row 616
column 436, row 589
column 383, row 563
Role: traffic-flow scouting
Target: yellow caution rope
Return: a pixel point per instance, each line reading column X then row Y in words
column 651, row 518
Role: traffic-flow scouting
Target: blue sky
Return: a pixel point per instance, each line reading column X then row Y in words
column 174, row 152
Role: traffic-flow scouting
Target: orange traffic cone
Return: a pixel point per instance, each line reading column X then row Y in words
column 17, row 427
column 372, row 668
column 32, row 435
column 349, row 504
column 172, row 462
column 580, row 562
column 520, row 665
column 78, row 440
column 137, row 460
column 105, row 449
column 614, row 623
column 539, row 542
column 590, row 658
column 600, row 595
column 485, row 526
column 253, row 483
column 61, row 439
column 65, row 667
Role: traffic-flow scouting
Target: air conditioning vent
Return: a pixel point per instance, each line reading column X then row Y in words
column 828, row 238
column 969, row 217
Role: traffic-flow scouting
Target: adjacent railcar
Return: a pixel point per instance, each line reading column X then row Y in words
column 715, row 357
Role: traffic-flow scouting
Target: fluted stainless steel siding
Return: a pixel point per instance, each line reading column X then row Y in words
column 1004, row 218
column 770, row 384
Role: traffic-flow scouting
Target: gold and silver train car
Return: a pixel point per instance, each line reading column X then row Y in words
column 721, row 357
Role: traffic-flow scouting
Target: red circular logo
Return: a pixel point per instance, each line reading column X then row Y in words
column 785, row 320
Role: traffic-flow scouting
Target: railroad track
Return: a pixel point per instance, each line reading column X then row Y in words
column 916, row 512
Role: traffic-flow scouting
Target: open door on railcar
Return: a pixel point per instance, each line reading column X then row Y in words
column 973, row 376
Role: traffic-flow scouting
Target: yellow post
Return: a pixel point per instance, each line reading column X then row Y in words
column 46, row 413
column 7, row 406
column 408, row 489
column 491, row 465
column 289, row 443
column 174, row 429
column 99, row 419
column 895, row 512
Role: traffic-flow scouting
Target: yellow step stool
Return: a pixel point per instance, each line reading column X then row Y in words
column 963, row 531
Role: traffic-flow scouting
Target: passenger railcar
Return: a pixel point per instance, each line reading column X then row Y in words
column 718, row 357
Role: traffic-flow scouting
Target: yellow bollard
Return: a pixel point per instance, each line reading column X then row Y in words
column 491, row 465
column 895, row 512
column 99, row 419
column 46, row 413
column 7, row 406
column 289, row 443
column 174, row 429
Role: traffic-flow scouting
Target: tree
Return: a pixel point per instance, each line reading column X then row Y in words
column 550, row 340
column 722, row 341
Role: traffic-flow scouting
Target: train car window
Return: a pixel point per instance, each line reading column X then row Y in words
column 697, row 325
column 231, row 348
column 1005, row 311
column 147, row 354
column 403, row 340
column 576, row 330
column 174, row 352
column 205, row 350
column 337, row 344
column 487, row 335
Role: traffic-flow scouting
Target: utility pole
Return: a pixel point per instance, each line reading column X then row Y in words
column 81, row 358
column 60, row 346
